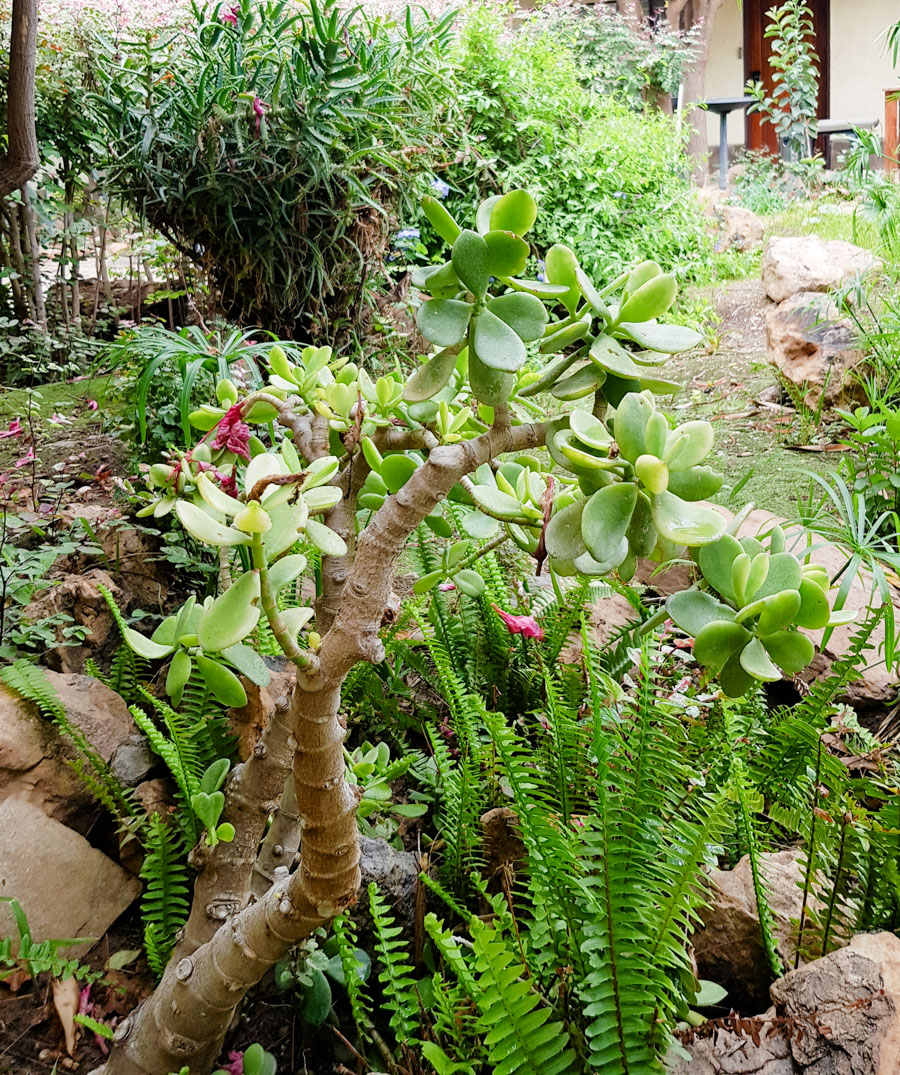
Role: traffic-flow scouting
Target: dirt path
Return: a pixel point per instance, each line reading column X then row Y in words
column 724, row 388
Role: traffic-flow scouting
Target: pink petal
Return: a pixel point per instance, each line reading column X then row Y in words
column 447, row 586
column 527, row 626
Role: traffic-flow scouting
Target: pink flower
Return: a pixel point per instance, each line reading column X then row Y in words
column 15, row 429
column 92, row 404
column 235, row 1065
column 259, row 108
column 26, row 459
column 57, row 419
column 447, row 586
column 233, row 433
column 229, row 15
column 520, row 625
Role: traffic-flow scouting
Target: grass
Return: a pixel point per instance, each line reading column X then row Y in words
column 826, row 218
column 70, row 400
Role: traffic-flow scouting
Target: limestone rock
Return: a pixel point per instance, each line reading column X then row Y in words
column 737, row 228
column 729, row 947
column 807, row 263
column 848, row 1005
column 812, row 346
column 396, row 873
column 33, row 754
column 65, row 887
column 728, row 1052
column 78, row 596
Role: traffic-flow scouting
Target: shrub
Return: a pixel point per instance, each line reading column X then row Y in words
column 609, row 179
column 267, row 145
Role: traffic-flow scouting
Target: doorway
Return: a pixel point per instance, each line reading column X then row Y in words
column 759, row 135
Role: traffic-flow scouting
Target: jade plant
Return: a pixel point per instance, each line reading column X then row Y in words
column 749, row 633
column 340, row 471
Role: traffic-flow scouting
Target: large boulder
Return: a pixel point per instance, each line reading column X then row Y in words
column 66, row 888
column 807, row 263
column 737, row 228
column 848, row 1006
column 839, row 1015
column 728, row 948
column 812, row 346
column 34, row 755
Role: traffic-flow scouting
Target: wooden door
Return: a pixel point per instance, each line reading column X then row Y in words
column 760, row 135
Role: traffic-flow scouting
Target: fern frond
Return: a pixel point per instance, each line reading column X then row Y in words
column 395, row 974
column 187, row 781
column 166, row 900
column 360, row 1004
column 521, row 1035
column 31, row 683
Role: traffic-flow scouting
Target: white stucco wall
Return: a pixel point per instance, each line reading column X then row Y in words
column 725, row 69
column 861, row 68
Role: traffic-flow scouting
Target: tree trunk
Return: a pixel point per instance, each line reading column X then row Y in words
column 21, row 159
column 699, row 14
column 184, row 1022
column 34, row 258
column 222, row 888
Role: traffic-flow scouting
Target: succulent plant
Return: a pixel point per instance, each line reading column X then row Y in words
column 750, row 632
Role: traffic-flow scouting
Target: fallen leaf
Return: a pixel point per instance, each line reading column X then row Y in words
column 66, row 1000
column 122, row 958
column 818, row 447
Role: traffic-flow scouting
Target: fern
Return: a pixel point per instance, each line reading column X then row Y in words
column 360, row 1004
column 520, row 1033
column 166, row 900
column 31, row 683
column 746, row 808
column 127, row 672
column 185, row 775
column 395, row 974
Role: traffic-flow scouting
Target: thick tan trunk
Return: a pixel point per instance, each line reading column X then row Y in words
column 222, row 888
column 185, row 1021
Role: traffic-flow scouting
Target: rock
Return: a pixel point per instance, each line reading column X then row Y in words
column 132, row 761
column 812, row 346
column 65, row 887
column 504, row 848
column 79, row 597
column 847, row 1005
column 729, row 947
column 877, row 685
column 807, row 263
column 737, row 228
column 727, row 1052
column 130, row 553
column 33, row 753
column 397, row 875
column 664, row 582
column 155, row 796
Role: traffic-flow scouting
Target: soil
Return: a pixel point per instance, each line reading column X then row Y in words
column 762, row 444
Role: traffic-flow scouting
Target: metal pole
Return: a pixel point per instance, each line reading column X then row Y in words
column 723, row 150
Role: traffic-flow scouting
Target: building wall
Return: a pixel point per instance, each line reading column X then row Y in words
column 725, row 69
column 861, row 68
